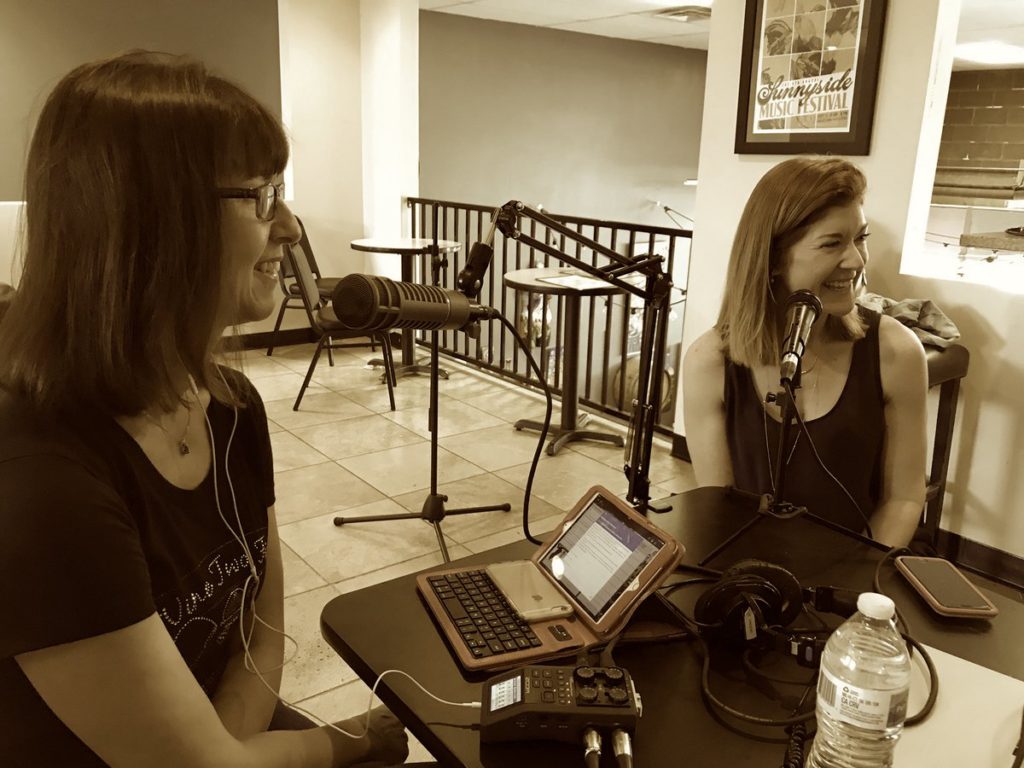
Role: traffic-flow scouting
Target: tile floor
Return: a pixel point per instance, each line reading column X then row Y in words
column 345, row 450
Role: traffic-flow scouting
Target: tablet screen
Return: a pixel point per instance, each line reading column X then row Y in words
column 599, row 556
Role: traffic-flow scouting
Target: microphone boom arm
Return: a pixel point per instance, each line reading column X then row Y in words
column 655, row 295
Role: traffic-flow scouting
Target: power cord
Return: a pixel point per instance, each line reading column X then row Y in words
column 543, row 431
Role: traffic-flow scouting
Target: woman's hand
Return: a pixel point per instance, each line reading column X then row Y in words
column 386, row 742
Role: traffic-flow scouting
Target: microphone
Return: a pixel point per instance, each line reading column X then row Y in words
column 372, row 303
column 470, row 279
column 802, row 309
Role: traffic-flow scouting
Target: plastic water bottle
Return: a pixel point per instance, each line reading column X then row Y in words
column 863, row 688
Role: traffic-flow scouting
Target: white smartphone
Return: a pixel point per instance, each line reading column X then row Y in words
column 528, row 591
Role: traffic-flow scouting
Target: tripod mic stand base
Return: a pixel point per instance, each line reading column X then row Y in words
column 433, row 512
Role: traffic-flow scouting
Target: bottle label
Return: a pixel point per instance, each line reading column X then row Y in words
column 863, row 707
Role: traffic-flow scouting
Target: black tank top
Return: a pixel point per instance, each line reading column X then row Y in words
column 849, row 439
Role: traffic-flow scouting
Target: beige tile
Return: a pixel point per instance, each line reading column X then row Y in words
column 315, row 667
column 538, row 530
column 479, row 491
column 356, row 437
column 318, row 490
column 407, row 468
column 273, row 426
column 348, row 373
column 563, row 479
column 284, row 386
column 351, row 700
column 682, row 479
column 453, row 417
column 296, row 357
column 260, row 366
column 514, row 404
column 315, row 409
column 465, row 386
column 290, row 452
column 417, row 564
column 494, row 448
column 666, row 469
column 338, row 553
column 410, row 392
column 298, row 576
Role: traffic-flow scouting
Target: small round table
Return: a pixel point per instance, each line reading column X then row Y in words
column 407, row 248
column 532, row 280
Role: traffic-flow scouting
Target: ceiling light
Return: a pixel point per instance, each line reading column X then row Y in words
column 698, row 11
column 990, row 52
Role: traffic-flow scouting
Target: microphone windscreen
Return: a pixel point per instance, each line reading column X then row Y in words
column 803, row 296
column 355, row 300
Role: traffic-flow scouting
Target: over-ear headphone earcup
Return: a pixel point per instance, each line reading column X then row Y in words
column 770, row 590
column 785, row 583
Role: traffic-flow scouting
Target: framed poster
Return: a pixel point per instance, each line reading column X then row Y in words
column 808, row 76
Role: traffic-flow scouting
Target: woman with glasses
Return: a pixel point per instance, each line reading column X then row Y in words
column 863, row 378
column 140, row 568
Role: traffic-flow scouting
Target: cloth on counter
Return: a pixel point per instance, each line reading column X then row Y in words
column 922, row 316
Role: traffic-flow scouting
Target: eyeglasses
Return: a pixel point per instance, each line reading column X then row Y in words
column 266, row 198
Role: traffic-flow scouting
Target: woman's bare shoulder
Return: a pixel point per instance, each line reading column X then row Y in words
column 897, row 343
column 705, row 353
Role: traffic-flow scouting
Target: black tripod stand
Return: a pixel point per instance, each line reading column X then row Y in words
column 772, row 504
column 433, row 509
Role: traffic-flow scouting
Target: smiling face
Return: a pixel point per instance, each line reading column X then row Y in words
column 829, row 258
column 252, row 251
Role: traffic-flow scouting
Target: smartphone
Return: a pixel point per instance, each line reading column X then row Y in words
column 528, row 591
column 944, row 587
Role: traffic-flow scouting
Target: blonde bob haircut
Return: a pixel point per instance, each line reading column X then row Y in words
column 786, row 201
column 122, row 272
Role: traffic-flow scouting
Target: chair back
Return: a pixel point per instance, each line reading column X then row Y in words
column 307, row 250
column 946, row 368
column 306, row 282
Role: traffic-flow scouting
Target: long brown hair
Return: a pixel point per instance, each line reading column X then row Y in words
column 122, row 271
column 788, row 199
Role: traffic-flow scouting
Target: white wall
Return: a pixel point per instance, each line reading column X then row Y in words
column 986, row 489
column 585, row 125
column 321, row 88
column 391, row 121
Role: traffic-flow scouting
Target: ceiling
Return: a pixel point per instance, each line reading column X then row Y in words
column 980, row 20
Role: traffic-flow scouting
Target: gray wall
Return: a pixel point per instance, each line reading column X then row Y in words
column 585, row 125
column 41, row 40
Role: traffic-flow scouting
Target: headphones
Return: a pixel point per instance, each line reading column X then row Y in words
column 754, row 602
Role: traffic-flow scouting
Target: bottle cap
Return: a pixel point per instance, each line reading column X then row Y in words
column 876, row 606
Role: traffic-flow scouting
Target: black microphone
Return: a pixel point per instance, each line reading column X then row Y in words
column 470, row 279
column 372, row 303
column 802, row 309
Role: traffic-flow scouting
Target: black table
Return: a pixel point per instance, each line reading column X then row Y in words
column 407, row 248
column 533, row 280
column 675, row 729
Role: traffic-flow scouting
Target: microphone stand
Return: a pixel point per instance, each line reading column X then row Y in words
column 772, row 504
column 433, row 510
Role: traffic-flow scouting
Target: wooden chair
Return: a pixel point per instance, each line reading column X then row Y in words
column 946, row 367
column 327, row 326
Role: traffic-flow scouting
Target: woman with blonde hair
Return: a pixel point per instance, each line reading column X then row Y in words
column 863, row 376
column 138, row 533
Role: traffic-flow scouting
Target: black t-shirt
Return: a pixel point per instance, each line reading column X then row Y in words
column 94, row 539
column 849, row 439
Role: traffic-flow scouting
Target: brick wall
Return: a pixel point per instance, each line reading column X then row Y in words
column 983, row 131
column 984, row 118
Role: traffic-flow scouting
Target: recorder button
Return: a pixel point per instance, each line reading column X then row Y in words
column 559, row 632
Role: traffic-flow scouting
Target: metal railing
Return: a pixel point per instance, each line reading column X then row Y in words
column 609, row 325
